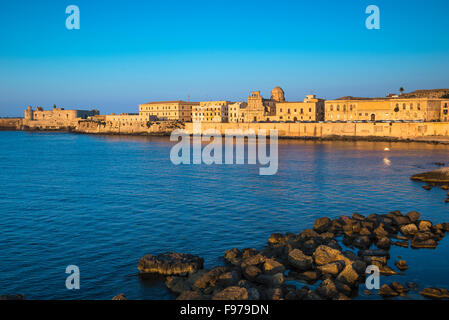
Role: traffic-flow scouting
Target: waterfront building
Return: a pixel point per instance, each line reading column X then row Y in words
column 168, row 110
column 444, row 113
column 260, row 109
column 211, row 111
column 311, row 109
column 236, row 112
column 378, row 109
column 57, row 115
column 127, row 119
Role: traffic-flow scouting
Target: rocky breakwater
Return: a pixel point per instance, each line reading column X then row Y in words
column 438, row 177
column 313, row 256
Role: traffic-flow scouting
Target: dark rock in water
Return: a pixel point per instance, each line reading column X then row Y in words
column 401, row 220
column 325, row 255
column 322, row 224
column 307, row 276
column 367, row 292
column 120, row 296
column 277, row 239
column 440, row 175
column 177, row 284
column 376, row 253
column 327, row 290
column 375, row 260
column 271, row 280
column 380, row 231
column 359, row 267
column 401, row 265
column 383, row 243
column 427, row 187
column 358, row 217
column 445, row 187
column 273, row 294
column 170, row 263
column 192, row 295
column 387, row 271
column 387, row 292
column 435, row 293
column 399, row 288
column 210, row 278
column 427, row 244
column 332, row 268
column 308, row 234
column 251, row 272
column 362, row 242
column 403, row 244
column 272, row 266
column 232, row 293
column 413, row 216
column 412, row 286
column 253, row 260
column 12, row 297
column 299, row 260
column 233, row 256
column 348, row 276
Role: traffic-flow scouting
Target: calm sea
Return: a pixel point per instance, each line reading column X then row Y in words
column 102, row 202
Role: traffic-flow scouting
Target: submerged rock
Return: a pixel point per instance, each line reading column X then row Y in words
column 387, row 292
column 170, row 263
column 440, row 175
column 435, row 293
column 401, row 265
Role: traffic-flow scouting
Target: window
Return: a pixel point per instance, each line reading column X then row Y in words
column 338, row 107
column 332, row 108
column 403, row 106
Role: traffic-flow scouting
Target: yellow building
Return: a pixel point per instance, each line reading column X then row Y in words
column 168, row 110
column 444, row 115
column 236, row 112
column 312, row 109
column 379, row 109
column 211, row 111
column 260, row 109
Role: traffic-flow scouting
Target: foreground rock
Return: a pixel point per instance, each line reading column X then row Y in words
column 120, row 296
column 170, row 263
column 435, row 293
column 440, row 175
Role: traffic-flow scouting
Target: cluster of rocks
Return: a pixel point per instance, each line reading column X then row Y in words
column 438, row 177
column 310, row 256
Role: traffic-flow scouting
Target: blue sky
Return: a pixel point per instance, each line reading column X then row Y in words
column 129, row 52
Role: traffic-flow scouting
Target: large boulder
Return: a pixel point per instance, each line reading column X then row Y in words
column 387, row 292
column 348, row 276
column 299, row 260
column 435, row 293
column 327, row 290
column 322, row 224
column 210, row 278
column 232, row 293
column 413, row 216
column 332, row 268
column 170, row 263
column 409, row 230
column 325, row 255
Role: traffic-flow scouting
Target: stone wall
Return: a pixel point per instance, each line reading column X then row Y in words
column 326, row 130
column 10, row 123
column 137, row 128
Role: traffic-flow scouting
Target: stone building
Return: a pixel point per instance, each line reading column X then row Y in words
column 57, row 115
column 211, row 111
column 127, row 119
column 260, row 109
column 378, row 109
column 312, row 109
column 236, row 112
column 444, row 115
column 168, row 110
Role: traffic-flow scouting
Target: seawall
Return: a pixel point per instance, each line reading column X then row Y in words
column 424, row 131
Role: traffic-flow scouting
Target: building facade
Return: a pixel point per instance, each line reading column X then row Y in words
column 168, row 110
column 211, row 111
column 260, row 109
column 381, row 109
column 312, row 109
column 236, row 112
column 57, row 115
column 444, row 113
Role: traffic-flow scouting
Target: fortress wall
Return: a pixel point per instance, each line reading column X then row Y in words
column 159, row 127
column 10, row 123
column 323, row 130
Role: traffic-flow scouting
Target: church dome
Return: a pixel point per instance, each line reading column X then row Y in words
column 277, row 94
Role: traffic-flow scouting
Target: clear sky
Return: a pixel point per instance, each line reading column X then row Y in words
column 130, row 52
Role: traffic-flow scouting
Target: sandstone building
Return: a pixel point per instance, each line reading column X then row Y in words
column 57, row 114
column 258, row 108
column 236, row 112
column 168, row 110
column 444, row 116
column 378, row 109
column 211, row 111
column 311, row 110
